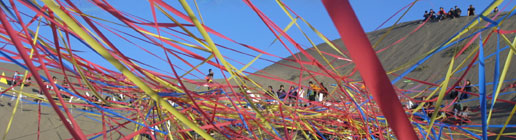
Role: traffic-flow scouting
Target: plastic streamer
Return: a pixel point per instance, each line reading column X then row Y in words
column 133, row 99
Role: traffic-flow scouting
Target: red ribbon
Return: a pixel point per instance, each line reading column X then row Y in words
column 369, row 67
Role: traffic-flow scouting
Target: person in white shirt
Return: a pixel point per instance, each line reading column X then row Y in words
column 254, row 97
column 410, row 104
column 301, row 95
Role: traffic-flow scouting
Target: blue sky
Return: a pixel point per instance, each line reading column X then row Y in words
column 237, row 21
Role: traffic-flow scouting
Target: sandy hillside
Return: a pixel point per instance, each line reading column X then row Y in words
column 430, row 36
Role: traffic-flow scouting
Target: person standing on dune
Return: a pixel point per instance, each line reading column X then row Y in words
column 441, row 14
column 16, row 78
column 315, row 90
column 457, row 11
column 209, row 79
column 291, row 96
column 300, row 95
column 426, row 16
column 323, row 92
column 28, row 82
column 451, row 13
column 310, row 93
column 471, row 10
column 432, row 15
column 270, row 91
column 281, row 92
column 54, row 79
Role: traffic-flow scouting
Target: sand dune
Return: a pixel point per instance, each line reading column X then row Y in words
column 430, row 36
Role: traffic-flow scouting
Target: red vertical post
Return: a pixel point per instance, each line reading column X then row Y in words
column 370, row 68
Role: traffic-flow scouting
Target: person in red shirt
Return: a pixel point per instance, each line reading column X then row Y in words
column 441, row 14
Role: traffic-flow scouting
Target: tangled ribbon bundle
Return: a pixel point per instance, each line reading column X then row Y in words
column 135, row 99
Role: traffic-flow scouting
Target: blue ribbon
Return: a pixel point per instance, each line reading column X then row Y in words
column 482, row 89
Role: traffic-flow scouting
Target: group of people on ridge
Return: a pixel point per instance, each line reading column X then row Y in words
column 315, row 92
column 452, row 13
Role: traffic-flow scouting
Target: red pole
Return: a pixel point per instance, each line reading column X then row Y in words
column 370, row 68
